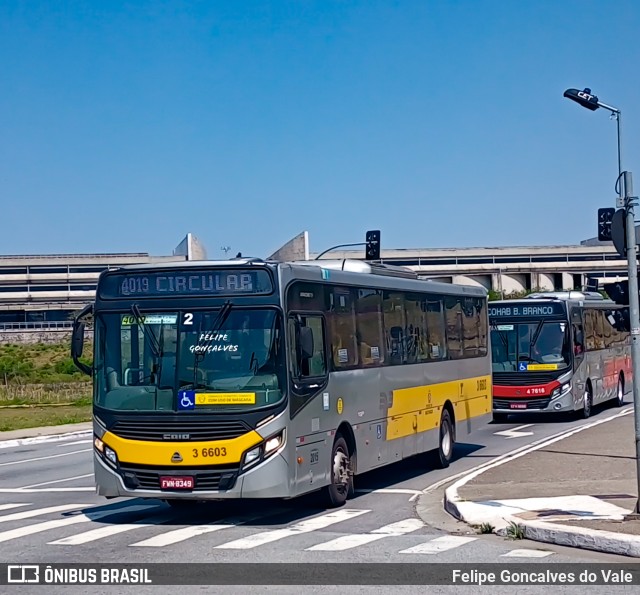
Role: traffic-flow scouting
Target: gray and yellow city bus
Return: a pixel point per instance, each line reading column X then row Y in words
column 558, row 352
column 257, row 379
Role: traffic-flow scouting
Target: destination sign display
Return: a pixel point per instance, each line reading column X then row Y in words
column 186, row 283
column 533, row 310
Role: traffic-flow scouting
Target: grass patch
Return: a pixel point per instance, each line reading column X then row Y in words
column 515, row 531
column 41, row 386
column 485, row 528
column 35, row 417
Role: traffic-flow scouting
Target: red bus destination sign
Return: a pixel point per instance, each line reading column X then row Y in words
column 186, row 283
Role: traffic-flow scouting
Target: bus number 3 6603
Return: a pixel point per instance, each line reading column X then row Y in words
column 210, row 452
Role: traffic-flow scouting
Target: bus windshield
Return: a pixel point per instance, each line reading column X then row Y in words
column 222, row 360
column 530, row 346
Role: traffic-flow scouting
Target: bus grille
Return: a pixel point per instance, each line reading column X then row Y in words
column 523, row 378
column 530, row 403
column 208, row 479
column 173, row 430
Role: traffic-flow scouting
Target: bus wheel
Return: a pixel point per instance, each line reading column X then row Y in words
column 620, row 392
column 341, row 486
column 588, row 403
column 444, row 454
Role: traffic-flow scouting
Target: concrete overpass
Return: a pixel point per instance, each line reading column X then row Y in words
column 501, row 269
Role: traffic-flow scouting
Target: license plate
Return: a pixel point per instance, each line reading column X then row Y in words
column 518, row 405
column 176, row 483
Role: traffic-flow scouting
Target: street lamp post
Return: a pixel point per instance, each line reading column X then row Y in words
column 626, row 201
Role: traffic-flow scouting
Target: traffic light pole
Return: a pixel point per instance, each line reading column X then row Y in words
column 634, row 311
column 627, row 201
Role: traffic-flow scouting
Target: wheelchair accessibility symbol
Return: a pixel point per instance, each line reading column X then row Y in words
column 186, row 401
column 522, row 367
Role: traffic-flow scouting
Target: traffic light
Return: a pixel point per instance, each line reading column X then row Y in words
column 372, row 251
column 605, row 217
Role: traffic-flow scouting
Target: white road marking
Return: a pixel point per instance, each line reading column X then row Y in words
column 10, row 506
column 108, row 530
column 73, row 520
column 440, row 544
column 63, row 454
column 414, row 493
column 307, row 526
column 74, row 443
column 27, row 514
column 346, row 542
column 526, row 554
column 514, row 432
column 179, row 535
column 46, row 483
column 39, row 490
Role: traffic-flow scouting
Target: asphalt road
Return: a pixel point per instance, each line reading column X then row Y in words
column 49, row 513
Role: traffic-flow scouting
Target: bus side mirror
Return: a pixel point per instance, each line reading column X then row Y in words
column 306, row 342
column 77, row 341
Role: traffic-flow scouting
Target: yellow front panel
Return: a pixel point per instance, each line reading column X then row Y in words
column 218, row 452
column 418, row 409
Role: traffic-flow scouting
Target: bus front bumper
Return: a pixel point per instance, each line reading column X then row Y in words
column 561, row 404
column 266, row 480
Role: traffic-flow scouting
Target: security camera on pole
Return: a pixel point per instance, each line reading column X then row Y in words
column 622, row 231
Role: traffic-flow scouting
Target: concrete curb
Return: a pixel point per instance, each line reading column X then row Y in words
column 44, row 434
column 476, row 514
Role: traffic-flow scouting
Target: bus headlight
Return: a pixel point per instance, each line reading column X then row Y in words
column 264, row 450
column 106, row 454
column 561, row 390
column 110, row 455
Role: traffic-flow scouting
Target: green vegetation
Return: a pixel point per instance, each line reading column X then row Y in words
column 41, row 386
column 516, row 531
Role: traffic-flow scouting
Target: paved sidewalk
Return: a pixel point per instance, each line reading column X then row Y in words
column 43, row 434
column 575, row 491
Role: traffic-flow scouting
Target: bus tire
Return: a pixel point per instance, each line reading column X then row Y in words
column 587, row 404
column 446, row 442
column 341, row 486
column 620, row 392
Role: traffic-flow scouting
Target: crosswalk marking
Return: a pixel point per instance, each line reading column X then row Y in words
column 179, row 535
column 440, row 544
column 108, row 530
column 27, row 514
column 73, row 520
column 185, row 533
column 307, row 526
column 346, row 542
column 10, row 506
column 526, row 554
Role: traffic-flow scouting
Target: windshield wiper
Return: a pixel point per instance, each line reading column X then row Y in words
column 153, row 340
column 203, row 347
column 533, row 341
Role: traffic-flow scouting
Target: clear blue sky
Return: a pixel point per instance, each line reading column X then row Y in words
column 125, row 125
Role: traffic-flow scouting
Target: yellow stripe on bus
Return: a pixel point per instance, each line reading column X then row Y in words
column 418, row 409
column 217, row 452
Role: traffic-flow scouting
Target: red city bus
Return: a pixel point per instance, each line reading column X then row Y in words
column 558, row 352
